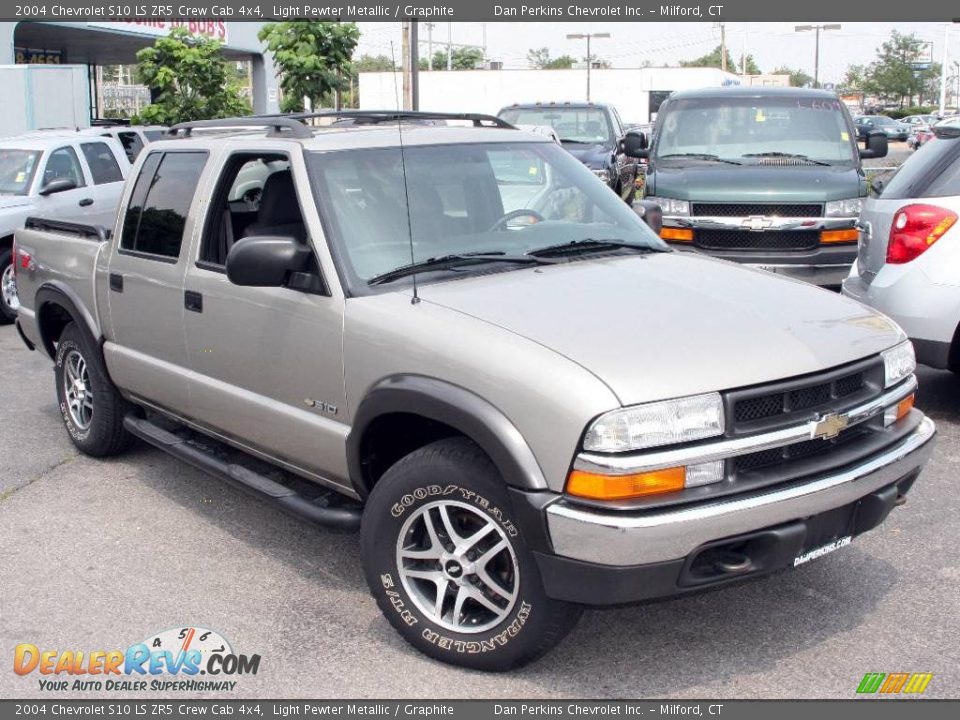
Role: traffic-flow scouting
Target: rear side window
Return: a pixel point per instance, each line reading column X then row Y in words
column 132, row 144
column 157, row 214
column 932, row 171
column 103, row 165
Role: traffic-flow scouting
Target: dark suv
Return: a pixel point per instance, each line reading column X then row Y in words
column 591, row 132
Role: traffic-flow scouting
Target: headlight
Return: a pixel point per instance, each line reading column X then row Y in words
column 601, row 173
column 898, row 362
column 658, row 423
column 843, row 208
column 671, row 206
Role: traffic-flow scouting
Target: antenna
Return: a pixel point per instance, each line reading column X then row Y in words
column 403, row 166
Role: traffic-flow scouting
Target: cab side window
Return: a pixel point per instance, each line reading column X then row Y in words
column 254, row 196
column 103, row 165
column 132, row 144
column 63, row 164
column 157, row 212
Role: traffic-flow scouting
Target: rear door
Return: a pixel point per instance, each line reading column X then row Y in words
column 107, row 172
column 930, row 173
column 146, row 352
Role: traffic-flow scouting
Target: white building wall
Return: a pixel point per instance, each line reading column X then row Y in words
column 487, row 91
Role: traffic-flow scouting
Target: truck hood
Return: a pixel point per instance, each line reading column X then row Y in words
column 590, row 155
column 762, row 183
column 672, row 324
column 9, row 202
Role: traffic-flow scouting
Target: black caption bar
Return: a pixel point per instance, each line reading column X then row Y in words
column 478, row 710
column 481, row 10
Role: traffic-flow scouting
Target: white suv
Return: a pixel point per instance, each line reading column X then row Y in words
column 908, row 264
column 65, row 176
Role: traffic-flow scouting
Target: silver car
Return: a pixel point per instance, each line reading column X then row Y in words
column 908, row 264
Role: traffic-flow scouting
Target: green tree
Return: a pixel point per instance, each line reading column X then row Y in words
column 312, row 58
column 540, row 59
column 798, row 78
column 462, row 58
column 373, row 63
column 853, row 79
column 713, row 59
column 892, row 76
column 189, row 80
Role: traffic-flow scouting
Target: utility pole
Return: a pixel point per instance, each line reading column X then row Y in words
column 405, row 64
column 723, row 46
column 429, row 26
column 816, row 46
column 414, row 65
column 449, row 46
column 943, row 69
column 587, row 37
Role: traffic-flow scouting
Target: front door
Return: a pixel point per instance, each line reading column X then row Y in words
column 145, row 349
column 74, row 205
column 267, row 362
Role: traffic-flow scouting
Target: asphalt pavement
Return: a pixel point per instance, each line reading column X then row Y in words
column 98, row 555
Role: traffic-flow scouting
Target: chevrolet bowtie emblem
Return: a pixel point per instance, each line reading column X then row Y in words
column 756, row 223
column 829, row 426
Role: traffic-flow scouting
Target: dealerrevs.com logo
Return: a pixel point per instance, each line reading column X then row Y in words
column 184, row 659
column 894, row 683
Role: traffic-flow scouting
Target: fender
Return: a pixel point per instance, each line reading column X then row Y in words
column 59, row 293
column 454, row 406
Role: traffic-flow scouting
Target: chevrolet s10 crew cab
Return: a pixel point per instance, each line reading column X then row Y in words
column 457, row 339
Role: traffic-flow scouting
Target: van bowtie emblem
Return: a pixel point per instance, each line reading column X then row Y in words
column 756, row 223
column 829, row 426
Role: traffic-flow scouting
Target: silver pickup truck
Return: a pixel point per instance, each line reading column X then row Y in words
column 457, row 339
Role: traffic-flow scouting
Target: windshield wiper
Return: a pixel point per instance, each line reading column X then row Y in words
column 699, row 156
column 445, row 262
column 589, row 245
column 576, row 142
column 785, row 155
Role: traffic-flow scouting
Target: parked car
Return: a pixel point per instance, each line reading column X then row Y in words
column 591, row 132
column 769, row 177
column 463, row 334
column 133, row 138
column 61, row 175
column 919, row 136
column 893, row 129
column 917, row 120
column 908, row 265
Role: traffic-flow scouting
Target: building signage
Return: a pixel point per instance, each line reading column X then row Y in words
column 216, row 29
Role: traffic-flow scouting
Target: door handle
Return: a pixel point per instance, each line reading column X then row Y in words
column 193, row 301
column 86, row 202
column 116, row 282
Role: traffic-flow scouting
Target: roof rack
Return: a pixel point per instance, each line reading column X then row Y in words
column 373, row 117
column 277, row 123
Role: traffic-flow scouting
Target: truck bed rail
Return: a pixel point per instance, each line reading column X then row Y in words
column 92, row 232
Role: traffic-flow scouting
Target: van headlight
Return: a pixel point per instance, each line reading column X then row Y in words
column 670, row 206
column 898, row 363
column 843, row 208
column 658, row 423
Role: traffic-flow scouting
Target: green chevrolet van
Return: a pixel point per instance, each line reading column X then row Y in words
column 769, row 177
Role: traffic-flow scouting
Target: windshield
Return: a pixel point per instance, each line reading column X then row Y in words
column 16, row 171
column 734, row 128
column 507, row 198
column 572, row 124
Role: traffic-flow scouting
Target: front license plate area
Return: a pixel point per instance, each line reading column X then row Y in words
column 827, row 533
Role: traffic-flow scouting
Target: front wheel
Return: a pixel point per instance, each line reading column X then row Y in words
column 449, row 567
column 9, row 300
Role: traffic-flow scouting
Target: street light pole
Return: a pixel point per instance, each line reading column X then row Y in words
column 587, row 37
column 816, row 51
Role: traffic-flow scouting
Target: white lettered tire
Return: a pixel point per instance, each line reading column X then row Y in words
column 449, row 567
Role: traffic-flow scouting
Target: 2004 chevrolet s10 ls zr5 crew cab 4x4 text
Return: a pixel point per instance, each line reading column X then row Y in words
column 456, row 338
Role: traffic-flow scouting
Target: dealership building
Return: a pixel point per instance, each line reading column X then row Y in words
column 96, row 44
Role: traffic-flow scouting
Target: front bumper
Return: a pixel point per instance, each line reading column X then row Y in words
column 825, row 264
column 603, row 557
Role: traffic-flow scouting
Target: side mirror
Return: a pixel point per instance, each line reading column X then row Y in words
column 267, row 261
column 58, row 185
column 876, row 146
column 635, row 144
column 651, row 213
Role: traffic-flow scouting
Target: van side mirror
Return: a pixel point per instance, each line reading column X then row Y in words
column 651, row 213
column 877, row 146
column 635, row 144
column 269, row 261
column 57, row 185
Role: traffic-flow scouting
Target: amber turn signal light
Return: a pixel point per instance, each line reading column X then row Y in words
column 623, row 487
column 905, row 406
column 681, row 234
column 840, row 236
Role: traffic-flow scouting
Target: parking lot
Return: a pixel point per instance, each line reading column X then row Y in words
column 100, row 554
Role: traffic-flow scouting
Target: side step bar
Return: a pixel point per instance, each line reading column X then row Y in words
column 344, row 519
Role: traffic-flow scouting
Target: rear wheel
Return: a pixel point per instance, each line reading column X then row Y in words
column 449, row 567
column 9, row 300
column 91, row 407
